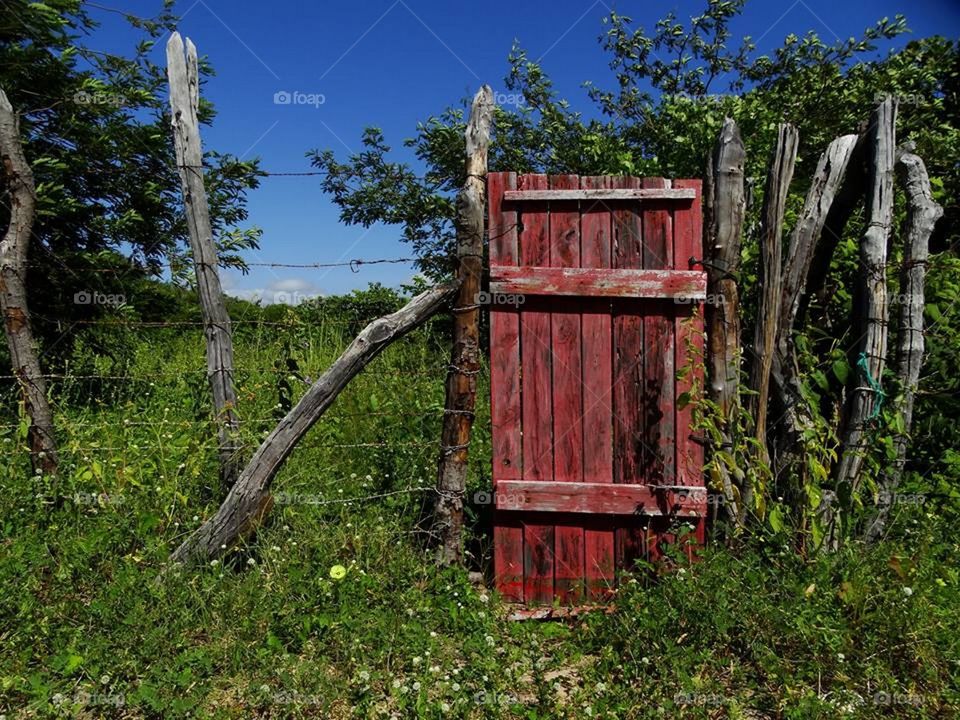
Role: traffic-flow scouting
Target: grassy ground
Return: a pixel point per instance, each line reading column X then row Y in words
column 86, row 630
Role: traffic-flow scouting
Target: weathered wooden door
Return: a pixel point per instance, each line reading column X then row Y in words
column 596, row 334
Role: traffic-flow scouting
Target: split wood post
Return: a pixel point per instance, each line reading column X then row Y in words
column 870, row 309
column 725, row 206
column 922, row 215
column 184, row 101
column 847, row 200
column 828, row 179
column 461, row 390
column 14, row 249
column 249, row 500
column 779, row 175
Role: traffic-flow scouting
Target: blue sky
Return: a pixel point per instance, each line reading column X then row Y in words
column 392, row 63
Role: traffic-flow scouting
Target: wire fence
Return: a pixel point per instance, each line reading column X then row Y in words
column 156, row 441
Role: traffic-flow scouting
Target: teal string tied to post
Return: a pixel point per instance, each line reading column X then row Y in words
column 874, row 385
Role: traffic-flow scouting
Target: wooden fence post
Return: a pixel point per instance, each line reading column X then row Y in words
column 249, row 500
column 779, row 175
column 461, row 390
column 870, row 309
column 184, row 100
column 922, row 215
column 14, row 249
column 725, row 204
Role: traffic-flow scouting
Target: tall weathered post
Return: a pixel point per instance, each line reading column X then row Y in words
column 184, row 101
column 461, row 393
column 14, row 248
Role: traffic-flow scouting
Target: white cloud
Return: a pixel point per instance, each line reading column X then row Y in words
column 285, row 291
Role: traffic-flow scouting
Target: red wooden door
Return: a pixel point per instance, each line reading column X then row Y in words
column 596, row 330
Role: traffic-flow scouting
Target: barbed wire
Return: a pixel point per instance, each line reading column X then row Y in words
column 438, row 371
column 317, row 445
column 353, row 264
column 193, row 323
column 173, row 423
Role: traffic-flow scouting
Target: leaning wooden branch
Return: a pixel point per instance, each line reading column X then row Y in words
column 184, row 100
column 461, row 392
column 14, row 249
column 827, row 180
column 249, row 499
column 922, row 215
column 848, row 199
column 779, row 175
column 870, row 311
column 725, row 205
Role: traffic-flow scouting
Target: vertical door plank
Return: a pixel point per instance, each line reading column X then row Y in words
column 567, row 390
column 628, row 448
column 536, row 362
column 596, row 252
column 659, row 372
column 505, row 391
column 688, row 243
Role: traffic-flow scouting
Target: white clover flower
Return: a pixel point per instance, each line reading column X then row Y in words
column 251, row 561
column 908, row 591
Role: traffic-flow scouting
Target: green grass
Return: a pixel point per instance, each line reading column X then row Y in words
column 87, row 629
